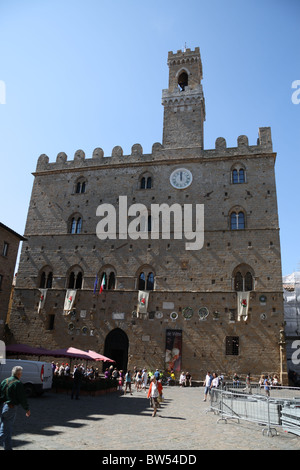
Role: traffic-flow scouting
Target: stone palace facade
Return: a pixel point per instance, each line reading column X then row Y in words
column 100, row 270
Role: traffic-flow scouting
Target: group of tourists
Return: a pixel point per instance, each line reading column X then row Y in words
column 64, row 369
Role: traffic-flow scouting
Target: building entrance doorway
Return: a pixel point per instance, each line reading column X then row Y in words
column 116, row 347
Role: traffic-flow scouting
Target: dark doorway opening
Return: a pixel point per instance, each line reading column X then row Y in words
column 116, row 347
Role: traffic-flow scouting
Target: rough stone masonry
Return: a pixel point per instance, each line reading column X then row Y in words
column 193, row 316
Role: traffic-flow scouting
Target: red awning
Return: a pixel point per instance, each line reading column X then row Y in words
column 99, row 357
column 65, row 352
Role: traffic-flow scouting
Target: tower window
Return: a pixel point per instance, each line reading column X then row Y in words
column 183, row 80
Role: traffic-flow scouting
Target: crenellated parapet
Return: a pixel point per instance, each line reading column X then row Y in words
column 159, row 153
column 98, row 158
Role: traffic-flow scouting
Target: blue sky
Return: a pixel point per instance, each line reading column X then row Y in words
column 87, row 74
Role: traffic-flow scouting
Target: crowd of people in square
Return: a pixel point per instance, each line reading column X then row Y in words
column 140, row 379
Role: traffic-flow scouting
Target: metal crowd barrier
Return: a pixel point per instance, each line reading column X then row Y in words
column 280, row 409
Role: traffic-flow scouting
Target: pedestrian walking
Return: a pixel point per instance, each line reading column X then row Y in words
column 215, row 381
column 267, row 385
column 12, row 394
column 144, row 380
column 154, row 392
column 207, row 384
column 248, row 388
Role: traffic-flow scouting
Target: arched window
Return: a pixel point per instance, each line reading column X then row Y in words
column 238, row 174
column 145, row 278
column 78, row 281
column 248, row 281
column 46, row 277
column 243, row 278
column 146, row 181
column 80, row 186
column 238, row 282
column 241, row 175
column 75, row 278
column 237, row 220
column 49, row 280
column 71, row 282
column 75, row 224
column 111, row 281
column 183, row 80
column 108, row 276
column 150, row 282
column 142, row 282
column 149, row 182
column 79, row 225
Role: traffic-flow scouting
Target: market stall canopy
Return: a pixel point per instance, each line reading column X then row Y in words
column 26, row 350
column 99, row 357
column 71, row 352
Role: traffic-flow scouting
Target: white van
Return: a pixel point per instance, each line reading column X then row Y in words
column 36, row 377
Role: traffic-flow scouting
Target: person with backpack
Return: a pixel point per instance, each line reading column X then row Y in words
column 12, row 394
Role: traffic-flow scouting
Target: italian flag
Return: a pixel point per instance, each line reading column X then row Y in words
column 102, row 284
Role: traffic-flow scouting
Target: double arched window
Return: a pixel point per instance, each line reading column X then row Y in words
column 75, row 224
column 243, row 278
column 75, row 278
column 107, row 278
column 46, row 278
column 80, row 185
column 146, row 279
column 238, row 174
column 237, row 220
column 146, row 181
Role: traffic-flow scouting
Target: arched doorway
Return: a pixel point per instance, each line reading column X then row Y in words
column 116, row 347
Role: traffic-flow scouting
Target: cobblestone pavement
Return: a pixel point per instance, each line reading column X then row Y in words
column 118, row 422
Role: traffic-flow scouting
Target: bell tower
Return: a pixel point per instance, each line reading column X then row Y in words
column 183, row 101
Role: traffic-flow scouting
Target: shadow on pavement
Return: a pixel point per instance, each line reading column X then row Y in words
column 52, row 413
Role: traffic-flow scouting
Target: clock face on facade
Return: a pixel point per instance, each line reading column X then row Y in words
column 181, row 178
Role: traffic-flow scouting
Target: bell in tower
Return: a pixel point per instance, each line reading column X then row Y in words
column 183, row 101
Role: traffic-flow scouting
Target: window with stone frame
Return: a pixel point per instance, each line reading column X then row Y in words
column 75, row 224
column 243, row 278
column 146, row 181
column 238, row 174
column 237, row 220
column 46, row 278
column 80, row 185
column 75, row 278
column 146, row 279
column 108, row 275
